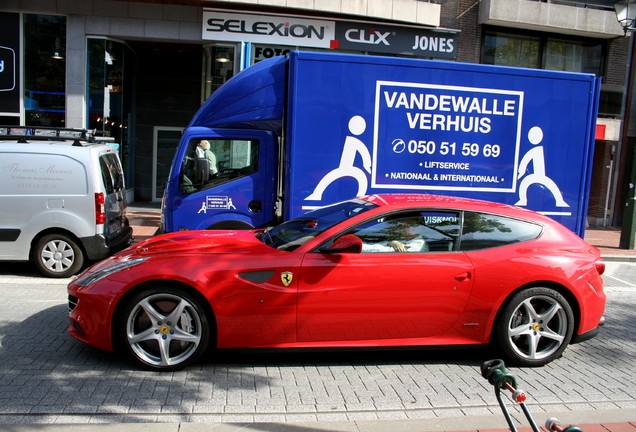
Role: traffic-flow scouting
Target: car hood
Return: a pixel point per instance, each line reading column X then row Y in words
column 186, row 244
column 199, row 242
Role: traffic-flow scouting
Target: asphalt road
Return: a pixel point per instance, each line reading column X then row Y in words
column 48, row 377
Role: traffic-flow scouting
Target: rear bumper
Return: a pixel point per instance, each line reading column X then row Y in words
column 97, row 247
column 589, row 334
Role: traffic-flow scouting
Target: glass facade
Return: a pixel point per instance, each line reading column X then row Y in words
column 543, row 52
column 220, row 65
column 573, row 56
column 109, row 94
column 511, row 50
column 540, row 51
column 44, row 70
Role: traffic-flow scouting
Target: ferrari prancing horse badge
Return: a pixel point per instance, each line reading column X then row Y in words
column 286, row 277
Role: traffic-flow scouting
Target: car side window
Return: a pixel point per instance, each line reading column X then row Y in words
column 214, row 161
column 484, row 231
column 421, row 231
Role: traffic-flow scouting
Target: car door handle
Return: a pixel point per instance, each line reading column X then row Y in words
column 463, row 276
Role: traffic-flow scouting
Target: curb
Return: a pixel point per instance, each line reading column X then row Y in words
column 612, row 420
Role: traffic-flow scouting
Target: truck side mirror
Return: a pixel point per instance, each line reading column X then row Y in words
column 201, row 171
column 347, row 243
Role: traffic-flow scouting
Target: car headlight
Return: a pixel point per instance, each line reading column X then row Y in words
column 101, row 274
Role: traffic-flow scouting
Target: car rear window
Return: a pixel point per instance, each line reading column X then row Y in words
column 483, row 231
column 111, row 173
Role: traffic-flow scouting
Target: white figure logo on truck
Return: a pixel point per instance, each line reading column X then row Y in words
column 346, row 168
column 538, row 176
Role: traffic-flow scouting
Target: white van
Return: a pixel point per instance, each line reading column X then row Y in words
column 62, row 199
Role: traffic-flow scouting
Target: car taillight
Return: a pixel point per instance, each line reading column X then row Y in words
column 100, row 214
column 600, row 266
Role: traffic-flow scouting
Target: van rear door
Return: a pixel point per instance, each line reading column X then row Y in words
column 114, row 199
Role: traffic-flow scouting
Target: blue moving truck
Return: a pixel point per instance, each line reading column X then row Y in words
column 295, row 133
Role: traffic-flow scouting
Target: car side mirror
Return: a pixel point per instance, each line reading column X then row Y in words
column 348, row 243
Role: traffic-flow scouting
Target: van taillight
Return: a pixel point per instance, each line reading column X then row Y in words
column 100, row 215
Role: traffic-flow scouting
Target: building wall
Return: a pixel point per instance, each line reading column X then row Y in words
column 410, row 11
column 168, row 93
column 617, row 60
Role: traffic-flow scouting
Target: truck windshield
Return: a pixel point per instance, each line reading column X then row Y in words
column 296, row 232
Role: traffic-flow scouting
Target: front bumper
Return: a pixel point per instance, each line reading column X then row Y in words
column 91, row 313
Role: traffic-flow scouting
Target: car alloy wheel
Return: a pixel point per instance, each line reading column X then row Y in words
column 57, row 255
column 535, row 327
column 165, row 329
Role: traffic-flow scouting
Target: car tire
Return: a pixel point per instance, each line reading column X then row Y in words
column 58, row 256
column 163, row 329
column 534, row 327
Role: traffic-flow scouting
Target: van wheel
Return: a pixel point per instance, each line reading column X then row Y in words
column 58, row 256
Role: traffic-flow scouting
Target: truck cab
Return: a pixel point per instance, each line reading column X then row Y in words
column 224, row 179
column 242, row 122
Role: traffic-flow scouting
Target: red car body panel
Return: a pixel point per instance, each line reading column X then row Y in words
column 259, row 296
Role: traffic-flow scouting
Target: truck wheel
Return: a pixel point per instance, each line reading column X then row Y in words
column 534, row 327
column 58, row 256
column 163, row 329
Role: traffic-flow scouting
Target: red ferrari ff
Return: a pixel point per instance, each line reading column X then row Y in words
column 377, row 271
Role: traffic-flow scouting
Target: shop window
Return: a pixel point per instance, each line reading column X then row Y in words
column 109, row 93
column 44, row 70
column 219, row 66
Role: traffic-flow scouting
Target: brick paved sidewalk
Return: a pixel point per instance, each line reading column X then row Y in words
column 605, row 427
column 145, row 220
column 608, row 240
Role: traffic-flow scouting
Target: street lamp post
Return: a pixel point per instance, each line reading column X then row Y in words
column 625, row 15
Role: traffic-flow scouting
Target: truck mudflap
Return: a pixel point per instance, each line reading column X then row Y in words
column 97, row 247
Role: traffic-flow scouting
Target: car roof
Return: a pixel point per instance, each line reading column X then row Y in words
column 428, row 200
column 391, row 199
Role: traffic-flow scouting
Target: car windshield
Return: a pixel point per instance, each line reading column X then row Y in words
column 296, row 232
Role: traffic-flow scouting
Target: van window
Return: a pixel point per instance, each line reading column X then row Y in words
column 38, row 174
column 214, row 161
column 111, row 173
